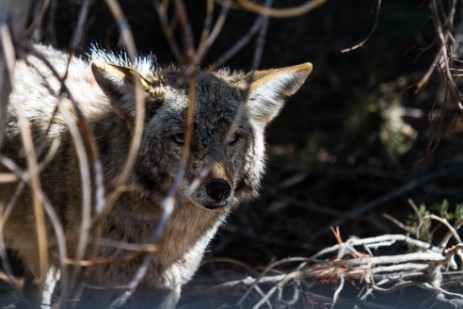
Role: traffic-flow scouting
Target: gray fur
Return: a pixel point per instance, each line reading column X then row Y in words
column 104, row 92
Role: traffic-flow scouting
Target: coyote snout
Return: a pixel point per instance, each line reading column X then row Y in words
column 217, row 191
column 102, row 91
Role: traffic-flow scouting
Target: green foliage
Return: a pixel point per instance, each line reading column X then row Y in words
column 445, row 212
column 443, row 209
column 420, row 223
column 459, row 213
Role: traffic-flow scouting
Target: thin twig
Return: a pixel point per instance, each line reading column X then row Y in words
column 338, row 291
column 187, row 32
column 451, row 229
column 373, row 29
column 78, row 34
column 168, row 32
column 7, row 63
column 207, row 43
column 124, row 28
column 38, row 18
column 238, row 45
column 36, row 187
column 281, row 13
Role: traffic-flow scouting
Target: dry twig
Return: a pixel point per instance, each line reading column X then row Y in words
column 424, row 268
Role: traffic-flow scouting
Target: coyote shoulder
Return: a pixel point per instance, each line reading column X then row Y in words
column 101, row 91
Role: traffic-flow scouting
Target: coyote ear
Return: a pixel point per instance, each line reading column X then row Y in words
column 117, row 82
column 270, row 88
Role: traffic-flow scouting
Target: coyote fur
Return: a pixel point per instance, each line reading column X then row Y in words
column 103, row 87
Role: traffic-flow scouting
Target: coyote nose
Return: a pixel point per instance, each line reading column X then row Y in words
column 218, row 189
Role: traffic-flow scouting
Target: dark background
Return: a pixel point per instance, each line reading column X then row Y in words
column 338, row 155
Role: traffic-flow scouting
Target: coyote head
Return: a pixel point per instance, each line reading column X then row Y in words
column 235, row 164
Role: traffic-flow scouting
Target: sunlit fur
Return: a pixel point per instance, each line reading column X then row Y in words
column 104, row 93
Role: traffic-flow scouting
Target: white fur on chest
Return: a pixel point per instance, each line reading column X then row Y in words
column 183, row 269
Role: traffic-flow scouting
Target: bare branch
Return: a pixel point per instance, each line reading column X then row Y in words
column 373, row 29
column 281, row 13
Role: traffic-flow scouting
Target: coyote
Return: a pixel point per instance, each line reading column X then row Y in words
column 103, row 87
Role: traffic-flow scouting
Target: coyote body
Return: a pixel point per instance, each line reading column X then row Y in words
column 103, row 89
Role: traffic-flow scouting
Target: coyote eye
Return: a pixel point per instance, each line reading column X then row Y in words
column 234, row 139
column 178, row 138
